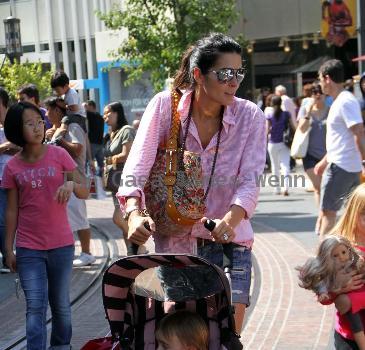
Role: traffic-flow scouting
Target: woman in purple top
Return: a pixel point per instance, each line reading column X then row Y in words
column 276, row 123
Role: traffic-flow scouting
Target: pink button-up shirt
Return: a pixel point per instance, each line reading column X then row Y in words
column 241, row 159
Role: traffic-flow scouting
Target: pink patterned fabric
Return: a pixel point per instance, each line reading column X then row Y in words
column 240, row 162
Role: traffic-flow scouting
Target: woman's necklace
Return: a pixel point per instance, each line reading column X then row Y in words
column 182, row 149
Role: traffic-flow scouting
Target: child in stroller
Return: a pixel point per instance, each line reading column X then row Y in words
column 182, row 330
column 135, row 303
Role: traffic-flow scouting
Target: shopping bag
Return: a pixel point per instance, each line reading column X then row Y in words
column 300, row 143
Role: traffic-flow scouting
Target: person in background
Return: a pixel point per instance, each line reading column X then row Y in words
column 136, row 123
column 261, row 103
column 314, row 114
column 276, row 123
column 362, row 101
column 7, row 149
column 349, row 85
column 30, row 93
column 116, row 150
column 75, row 112
column 96, row 134
column 287, row 103
column 74, row 141
column 345, row 144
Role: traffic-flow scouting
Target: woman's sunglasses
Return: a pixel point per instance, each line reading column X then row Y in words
column 225, row 75
column 316, row 91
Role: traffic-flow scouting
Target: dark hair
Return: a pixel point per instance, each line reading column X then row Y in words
column 31, row 91
column 276, row 103
column 117, row 107
column 59, row 79
column 268, row 99
column 13, row 125
column 91, row 103
column 316, row 87
column 203, row 55
column 360, row 83
column 349, row 85
column 4, row 97
column 56, row 102
column 334, row 69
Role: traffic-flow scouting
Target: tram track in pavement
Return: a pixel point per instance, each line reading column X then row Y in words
column 109, row 252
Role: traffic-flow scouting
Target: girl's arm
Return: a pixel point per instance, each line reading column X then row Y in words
column 76, row 183
column 122, row 156
column 11, row 217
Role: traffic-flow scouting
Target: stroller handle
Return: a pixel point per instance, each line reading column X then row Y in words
column 227, row 247
column 135, row 246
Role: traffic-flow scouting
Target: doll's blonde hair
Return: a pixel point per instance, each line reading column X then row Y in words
column 321, row 269
column 188, row 327
column 347, row 224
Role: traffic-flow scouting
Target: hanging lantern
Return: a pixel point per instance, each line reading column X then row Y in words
column 12, row 38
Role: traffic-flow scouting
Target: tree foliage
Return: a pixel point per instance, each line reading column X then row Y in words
column 160, row 31
column 13, row 76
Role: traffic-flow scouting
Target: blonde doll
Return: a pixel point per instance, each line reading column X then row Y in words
column 329, row 273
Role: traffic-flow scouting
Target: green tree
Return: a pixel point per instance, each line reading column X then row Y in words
column 159, row 31
column 13, row 76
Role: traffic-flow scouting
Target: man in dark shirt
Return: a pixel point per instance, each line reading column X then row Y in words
column 96, row 134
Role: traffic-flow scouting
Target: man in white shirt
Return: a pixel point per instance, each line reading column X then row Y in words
column 287, row 103
column 345, row 143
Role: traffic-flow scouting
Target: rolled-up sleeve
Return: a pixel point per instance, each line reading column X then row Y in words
column 251, row 166
column 142, row 154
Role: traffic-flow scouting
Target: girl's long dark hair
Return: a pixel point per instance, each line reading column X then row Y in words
column 117, row 107
column 276, row 104
column 203, row 55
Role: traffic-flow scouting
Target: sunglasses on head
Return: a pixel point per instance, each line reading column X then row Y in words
column 225, row 75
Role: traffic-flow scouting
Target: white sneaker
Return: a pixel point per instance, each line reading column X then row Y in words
column 84, row 260
column 4, row 269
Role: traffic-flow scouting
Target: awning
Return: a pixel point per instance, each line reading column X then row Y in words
column 312, row 66
column 360, row 58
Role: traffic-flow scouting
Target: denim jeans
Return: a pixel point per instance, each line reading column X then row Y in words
column 45, row 275
column 3, row 201
column 97, row 152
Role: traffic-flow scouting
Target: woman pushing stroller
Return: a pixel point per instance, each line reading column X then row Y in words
column 201, row 149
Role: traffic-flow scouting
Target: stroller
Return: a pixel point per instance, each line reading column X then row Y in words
column 135, row 300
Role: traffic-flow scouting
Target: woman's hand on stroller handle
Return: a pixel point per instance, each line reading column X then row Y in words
column 221, row 232
column 140, row 228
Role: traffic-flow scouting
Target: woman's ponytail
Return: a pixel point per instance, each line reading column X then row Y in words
column 182, row 78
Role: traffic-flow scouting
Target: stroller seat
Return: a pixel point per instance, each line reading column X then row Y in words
column 135, row 302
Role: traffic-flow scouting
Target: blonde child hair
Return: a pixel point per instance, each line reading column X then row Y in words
column 188, row 327
column 321, row 271
column 347, row 224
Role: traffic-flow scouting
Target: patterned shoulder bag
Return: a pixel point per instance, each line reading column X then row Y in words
column 174, row 192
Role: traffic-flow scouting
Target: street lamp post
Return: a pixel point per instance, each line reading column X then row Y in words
column 12, row 39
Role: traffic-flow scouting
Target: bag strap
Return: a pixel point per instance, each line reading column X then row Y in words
column 172, row 161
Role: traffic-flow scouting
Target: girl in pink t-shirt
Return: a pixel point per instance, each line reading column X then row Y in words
column 39, row 181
